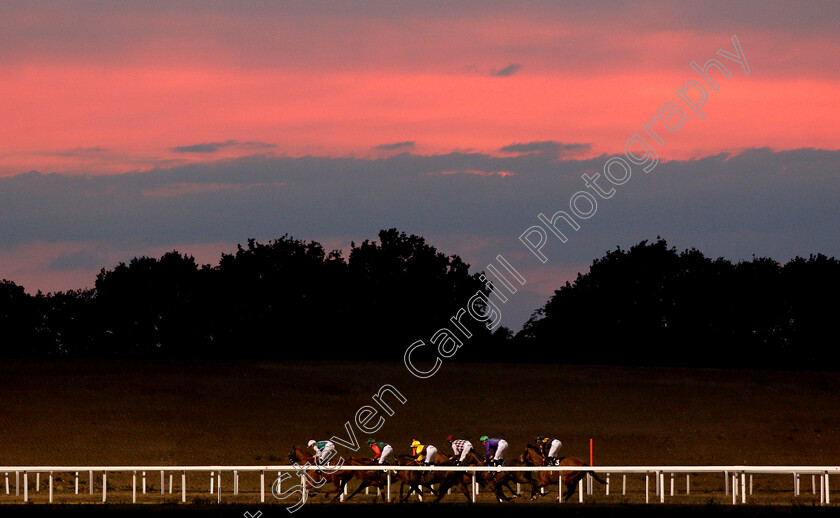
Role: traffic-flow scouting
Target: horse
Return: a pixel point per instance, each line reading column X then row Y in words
column 499, row 480
column 414, row 479
column 338, row 478
column 570, row 479
column 377, row 478
column 448, row 479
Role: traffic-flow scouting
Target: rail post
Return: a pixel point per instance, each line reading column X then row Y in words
column 743, row 487
column 559, row 488
column 580, row 491
column 134, row 487
column 302, row 487
column 661, row 487
column 734, row 488
column 827, row 493
column 51, row 487
column 25, row 486
column 184, row 486
column 822, row 490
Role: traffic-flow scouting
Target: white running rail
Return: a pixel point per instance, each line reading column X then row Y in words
column 734, row 476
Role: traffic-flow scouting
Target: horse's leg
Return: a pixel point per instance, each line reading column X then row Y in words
column 493, row 484
column 410, row 490
column 499, row 490
column 534, row 489
column 537, row 486
column 443, row 487
column 358, row 490
column 513, row 492
column 570, row 490
column 521, row 478
column 432, row 490
column 571, row 483
column 467, row 492
column 338, row 481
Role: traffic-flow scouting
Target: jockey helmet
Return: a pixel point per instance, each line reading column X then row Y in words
column 450, row 438
column 415, row 443
column 483, row 438
column 311, row 443
column 538, row 438
column 371, row 440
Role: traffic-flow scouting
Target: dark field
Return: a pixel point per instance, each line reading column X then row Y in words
column 251, row 413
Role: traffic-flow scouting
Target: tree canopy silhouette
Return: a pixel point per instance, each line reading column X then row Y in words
column 653, row 305
column 284, row 299
column 292, row 299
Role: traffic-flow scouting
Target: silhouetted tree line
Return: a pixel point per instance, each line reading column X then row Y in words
column 283, row 299
column 653, row 305
column 290, row 299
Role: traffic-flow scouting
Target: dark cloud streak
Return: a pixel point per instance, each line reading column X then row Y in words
column 507, row 71
column 213, row 147
column 408, row 144
column 558, row 149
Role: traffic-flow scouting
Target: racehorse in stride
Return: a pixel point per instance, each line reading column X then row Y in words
column 337, row 477
column 496, row 481
column 570, row 479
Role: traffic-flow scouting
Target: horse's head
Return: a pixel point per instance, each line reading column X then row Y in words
column 293, row 455
column 474, row 459
column 531, row 454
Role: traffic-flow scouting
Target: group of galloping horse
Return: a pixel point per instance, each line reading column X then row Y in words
column 494, row 481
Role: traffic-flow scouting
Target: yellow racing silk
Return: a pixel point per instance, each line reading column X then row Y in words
column 419, row 452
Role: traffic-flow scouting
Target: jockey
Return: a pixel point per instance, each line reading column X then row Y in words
column 548, row 447
column 495, row 450
column 460, row 448
column 324, row 450
column 381, row 450
column 424, row 454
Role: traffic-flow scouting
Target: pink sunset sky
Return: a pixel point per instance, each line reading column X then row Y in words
column 111, row 87
column 152, row 89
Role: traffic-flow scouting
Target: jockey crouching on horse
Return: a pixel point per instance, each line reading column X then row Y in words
column 548, row 447
column 324, row 450
column 460, row 449
column 382, row 451
column 495, row 450
column 424, row 454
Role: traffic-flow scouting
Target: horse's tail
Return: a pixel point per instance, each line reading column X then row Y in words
column 595, row 476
